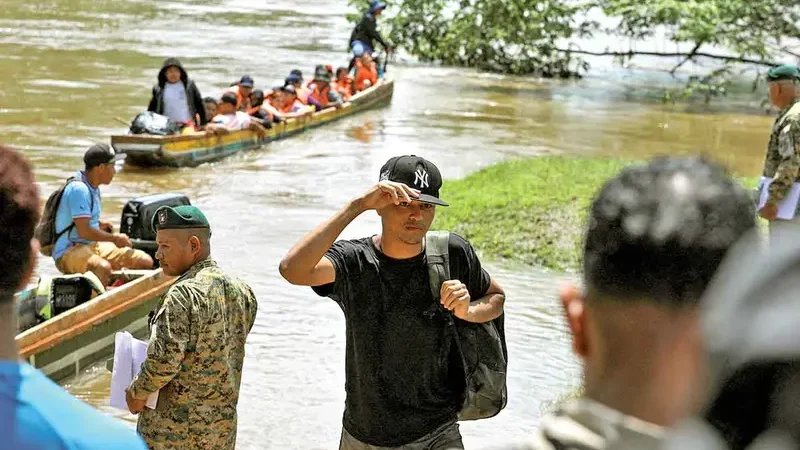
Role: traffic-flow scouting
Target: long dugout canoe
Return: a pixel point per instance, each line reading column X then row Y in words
column 193, row 149
column 71, row 341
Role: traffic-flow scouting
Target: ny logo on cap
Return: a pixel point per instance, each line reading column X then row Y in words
column 162, row 217
column 421, row 178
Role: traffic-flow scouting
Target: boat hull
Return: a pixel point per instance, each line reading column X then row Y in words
column 194, row 149
column 70, row 342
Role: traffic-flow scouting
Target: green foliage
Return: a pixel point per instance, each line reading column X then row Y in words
column 535, row 36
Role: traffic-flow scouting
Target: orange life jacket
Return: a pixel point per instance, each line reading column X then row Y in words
column 344, row 87
column 242, row 102
column 364, row 73
column 321, row 95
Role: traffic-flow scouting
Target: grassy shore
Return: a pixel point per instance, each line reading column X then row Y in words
column 529, row 211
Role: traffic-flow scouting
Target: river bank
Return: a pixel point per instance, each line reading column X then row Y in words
column 532, row 210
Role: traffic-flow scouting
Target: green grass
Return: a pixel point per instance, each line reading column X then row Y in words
column 530, row 211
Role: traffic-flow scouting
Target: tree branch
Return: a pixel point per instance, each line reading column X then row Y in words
column 740, row 59
column 688, row 58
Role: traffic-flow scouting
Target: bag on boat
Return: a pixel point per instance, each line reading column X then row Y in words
column 482, row 346
column 46, row 232
column 149, row 122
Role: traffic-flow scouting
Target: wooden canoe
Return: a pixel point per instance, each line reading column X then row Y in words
column 193, row 149
column 75, row 339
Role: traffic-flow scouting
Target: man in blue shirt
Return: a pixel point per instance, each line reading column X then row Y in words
column 91, row 244
column 35, row 413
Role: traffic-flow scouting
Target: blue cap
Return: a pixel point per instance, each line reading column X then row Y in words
column 246, row 81
column 292, row 78
column 358, row 49
column 375, row 5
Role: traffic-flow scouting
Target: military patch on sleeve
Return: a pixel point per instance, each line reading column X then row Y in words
column 786, row 144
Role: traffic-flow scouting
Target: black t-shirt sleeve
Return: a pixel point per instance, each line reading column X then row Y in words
column 341, row 254
column 466, row 267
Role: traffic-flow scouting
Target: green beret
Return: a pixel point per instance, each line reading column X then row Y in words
column 785, row 72
column 184, row 216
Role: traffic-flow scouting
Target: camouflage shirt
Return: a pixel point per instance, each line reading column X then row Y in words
column 783, row 153
column 194, row 358
column 584, row 424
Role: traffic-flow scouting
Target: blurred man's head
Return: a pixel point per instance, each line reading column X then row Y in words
column 100, row 163
column 19, row 214
column 227, row 103
column 656, row 234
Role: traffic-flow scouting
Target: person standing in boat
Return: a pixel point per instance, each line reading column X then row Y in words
column 197, row 342
column 782, row 161
column 364, row 35
column 36, row 413
column 90, row 243
column 402, row 390
column 177, row 97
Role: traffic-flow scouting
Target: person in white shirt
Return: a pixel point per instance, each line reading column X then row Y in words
column 229, row 119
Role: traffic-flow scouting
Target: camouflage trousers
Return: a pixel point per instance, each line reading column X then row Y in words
column 446, row 437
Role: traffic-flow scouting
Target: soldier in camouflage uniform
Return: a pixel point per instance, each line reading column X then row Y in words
column 196, row 349
column 653, row 244
column 782, row 162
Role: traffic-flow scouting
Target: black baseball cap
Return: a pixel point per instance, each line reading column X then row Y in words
column 229, row 97
column 101, row 154
column 246, row 81
column 417, row 173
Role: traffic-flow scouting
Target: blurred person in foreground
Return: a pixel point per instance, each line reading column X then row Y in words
column 750, row 318
column 36, row 413
column 656, row 234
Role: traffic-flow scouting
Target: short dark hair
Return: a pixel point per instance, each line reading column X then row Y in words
column 659, row 231
column 19, row 214
column 210, row 100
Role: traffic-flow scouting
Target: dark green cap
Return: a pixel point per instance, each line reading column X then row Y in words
column 784, row 72
column 184, row 216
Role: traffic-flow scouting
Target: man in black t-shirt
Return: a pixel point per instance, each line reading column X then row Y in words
column 404, row 381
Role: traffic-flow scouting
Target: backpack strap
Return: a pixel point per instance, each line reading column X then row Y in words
column 437, row 253
column 72, row 225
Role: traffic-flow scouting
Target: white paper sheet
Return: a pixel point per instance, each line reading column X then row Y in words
column 129, row 354
column 786, row 207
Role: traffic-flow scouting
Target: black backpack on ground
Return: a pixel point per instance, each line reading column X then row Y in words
column 482, row 346
column 46, row 232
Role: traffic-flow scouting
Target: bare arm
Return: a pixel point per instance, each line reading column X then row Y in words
column 305, row 264
column 455, row 297
column 86, row 231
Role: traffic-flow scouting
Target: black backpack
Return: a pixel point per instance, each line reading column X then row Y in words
column 482, row 345
column 46, row 232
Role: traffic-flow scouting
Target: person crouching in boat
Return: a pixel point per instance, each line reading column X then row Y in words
column 258, row 111
column 366, row 73
column 322, row 95
column 344, row 83
column 296, row 79
column 88, row 243
column 242, row 89
column 290, row 105
column 177, row 97
column 229, row 119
